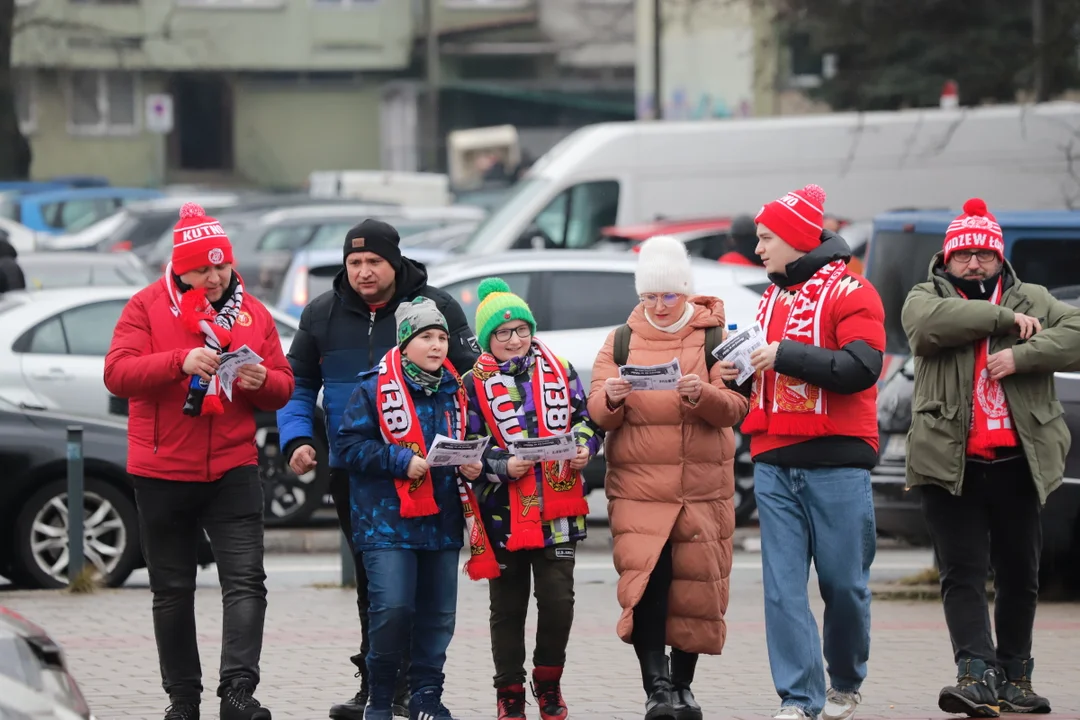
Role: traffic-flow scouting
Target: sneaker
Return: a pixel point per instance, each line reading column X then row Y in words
column 792, row 712
column 975, row 691
column 547, row 689
column 840, row 705
column 510, row 702
column 1016, row 695
column 426, row 704
column 239, row 703
column 182, row 711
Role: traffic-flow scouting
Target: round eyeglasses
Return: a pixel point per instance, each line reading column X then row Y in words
column 650, row 299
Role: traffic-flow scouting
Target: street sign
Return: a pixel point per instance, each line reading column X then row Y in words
column 159, row 113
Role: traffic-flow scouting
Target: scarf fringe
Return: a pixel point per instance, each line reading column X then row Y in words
column 211, row 405
column 414, row 507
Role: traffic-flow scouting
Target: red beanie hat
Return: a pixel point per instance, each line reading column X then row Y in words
column 974, row 229
column 198, row 241
column 797, row 218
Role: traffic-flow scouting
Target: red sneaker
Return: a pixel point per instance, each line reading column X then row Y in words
column 510, row 702
column 548, row 693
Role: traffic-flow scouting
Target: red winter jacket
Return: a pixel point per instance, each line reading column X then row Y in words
column 145, row 363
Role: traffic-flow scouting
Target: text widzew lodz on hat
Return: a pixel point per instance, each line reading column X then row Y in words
column 974, row 229
column 199, row 241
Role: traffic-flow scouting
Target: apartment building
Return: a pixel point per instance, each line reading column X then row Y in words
column 265, row 91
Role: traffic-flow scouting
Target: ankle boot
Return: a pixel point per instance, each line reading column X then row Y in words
column 975, row 692
column 353, row 709
column 1015, row 694
column 683, row 665
column 656, row 679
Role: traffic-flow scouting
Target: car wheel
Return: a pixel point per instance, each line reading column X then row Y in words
column 745, row 503
column 290, row 498
column 110, row 527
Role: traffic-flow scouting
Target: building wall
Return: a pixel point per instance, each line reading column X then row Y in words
column 126, row 159
column 285, row 131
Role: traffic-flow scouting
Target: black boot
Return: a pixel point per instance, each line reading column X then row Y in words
column 239, row 703
column 1015, row 694
column 682, row 674
column 975, row 692
column 656, row 679
column 354, row 709
column 182, row 711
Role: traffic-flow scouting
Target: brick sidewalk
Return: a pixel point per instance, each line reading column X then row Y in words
column 311, row 632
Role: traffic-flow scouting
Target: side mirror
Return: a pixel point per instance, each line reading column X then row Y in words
column 533, row 238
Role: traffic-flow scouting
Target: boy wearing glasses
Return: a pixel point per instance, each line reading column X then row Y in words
column 987, row 445
column 534, row 513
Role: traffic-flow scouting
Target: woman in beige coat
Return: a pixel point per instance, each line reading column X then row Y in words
column 670, row 463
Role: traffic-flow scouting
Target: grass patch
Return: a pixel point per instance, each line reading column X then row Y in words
column 86, row 582
column 929, row 576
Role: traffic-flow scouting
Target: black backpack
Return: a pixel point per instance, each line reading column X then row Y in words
column 621, row 350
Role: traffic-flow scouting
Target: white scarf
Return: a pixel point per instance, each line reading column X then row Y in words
column 687, row 316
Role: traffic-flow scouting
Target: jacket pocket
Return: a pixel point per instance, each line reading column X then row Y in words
column 936, row 442
column 1046, row 413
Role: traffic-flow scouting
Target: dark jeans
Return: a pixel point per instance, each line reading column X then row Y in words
column 413, row 601
column 993, row 523
column 650, row 614
column 553, row 570
column 171, row 514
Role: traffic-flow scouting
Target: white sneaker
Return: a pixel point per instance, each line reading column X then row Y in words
column 790, row 712
column 840, row 705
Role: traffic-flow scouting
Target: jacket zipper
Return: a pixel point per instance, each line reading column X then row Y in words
column 370, row 331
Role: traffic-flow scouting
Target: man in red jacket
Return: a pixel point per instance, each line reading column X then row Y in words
column 814, row 438
column 192, row 455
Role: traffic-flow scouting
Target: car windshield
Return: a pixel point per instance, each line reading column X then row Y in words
column 51, row 275
column 898, row 262
column 520, row 196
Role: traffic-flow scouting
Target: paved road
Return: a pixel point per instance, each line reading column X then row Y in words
column 311, row 630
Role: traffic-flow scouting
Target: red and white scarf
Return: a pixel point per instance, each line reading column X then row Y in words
column 991, row 422
column 555, row 483
column 199, row 316
column 798, row 408
column 400, row 425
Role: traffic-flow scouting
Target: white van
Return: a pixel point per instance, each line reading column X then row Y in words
column 1015, row 157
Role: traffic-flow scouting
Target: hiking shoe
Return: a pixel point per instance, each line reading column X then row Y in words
column 354, row 709
column 182, row 711
column 510, row 702
column 975, row 691
column 792, row 712
column 840, row 705
column 426, row 704
column 547, row 689
column 1015, row 694
column 239, row 703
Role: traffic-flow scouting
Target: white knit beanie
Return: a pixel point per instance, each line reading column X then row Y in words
column 663, row 267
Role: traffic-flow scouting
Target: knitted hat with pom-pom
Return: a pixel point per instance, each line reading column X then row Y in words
column 974, row 229
column 198, row 241
column 497, row 306
column 797, row 218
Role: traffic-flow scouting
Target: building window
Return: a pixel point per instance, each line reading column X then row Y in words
column 484, row 4
column 102, row 103
column 26, row 100
column 234, row 4
column 345, row 3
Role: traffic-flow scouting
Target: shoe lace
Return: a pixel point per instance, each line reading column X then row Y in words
column 549, row 695
column 241, row 697
column 844, row 696
column 180, row 711
column 510, row 703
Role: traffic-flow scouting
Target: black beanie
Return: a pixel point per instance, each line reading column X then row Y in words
column 377, row 237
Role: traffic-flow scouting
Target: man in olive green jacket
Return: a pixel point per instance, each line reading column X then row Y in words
column 987, row 445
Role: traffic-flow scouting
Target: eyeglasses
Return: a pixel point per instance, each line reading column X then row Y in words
column 965, row 256
column 504, row 335
column 668, row 299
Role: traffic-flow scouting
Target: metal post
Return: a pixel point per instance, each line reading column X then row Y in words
column 348, row 567
column 431, row 58
column 1038, row 27
column 75, row 501
column 658, row 32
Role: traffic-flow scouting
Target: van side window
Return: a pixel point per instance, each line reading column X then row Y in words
column 573, row 219
column 1046, row 261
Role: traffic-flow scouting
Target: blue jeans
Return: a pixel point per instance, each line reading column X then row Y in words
column 824, row 514
column 411, row 593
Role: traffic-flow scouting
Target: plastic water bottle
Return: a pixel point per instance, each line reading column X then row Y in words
column 732, row 327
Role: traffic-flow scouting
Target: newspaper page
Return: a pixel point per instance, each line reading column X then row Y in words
column 230, row 363
column 738, row 348
column 652, row 377
column 445, row 451
column 556, row 447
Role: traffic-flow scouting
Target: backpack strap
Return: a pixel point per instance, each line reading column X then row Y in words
column 713, row 337
column 621, row 349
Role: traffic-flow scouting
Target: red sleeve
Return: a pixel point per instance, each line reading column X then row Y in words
column 859, row 314
column 130, row 371
column 278, row 388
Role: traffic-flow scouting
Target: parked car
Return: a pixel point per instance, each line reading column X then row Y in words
column 705, row 238
column 22, row 238
column 53, row 270
column 35, row 683
column 578, row 297
column 52, row 357
column 899, row 512
column 71, row 209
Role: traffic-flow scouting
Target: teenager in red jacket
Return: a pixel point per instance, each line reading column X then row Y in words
column 192, row 455
column 814, row 438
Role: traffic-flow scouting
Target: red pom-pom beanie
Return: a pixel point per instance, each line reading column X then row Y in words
column 198, row 241
column 797, row 218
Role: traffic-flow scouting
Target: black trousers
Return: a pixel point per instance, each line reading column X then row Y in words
column 994, row 523
column 552, row 569
column 339, row 490
column 650, row 614
column 171, row 515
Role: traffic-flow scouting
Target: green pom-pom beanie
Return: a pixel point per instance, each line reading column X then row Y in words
column 497, row 306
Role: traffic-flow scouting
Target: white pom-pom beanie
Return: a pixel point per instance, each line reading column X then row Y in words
column 663, row 267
